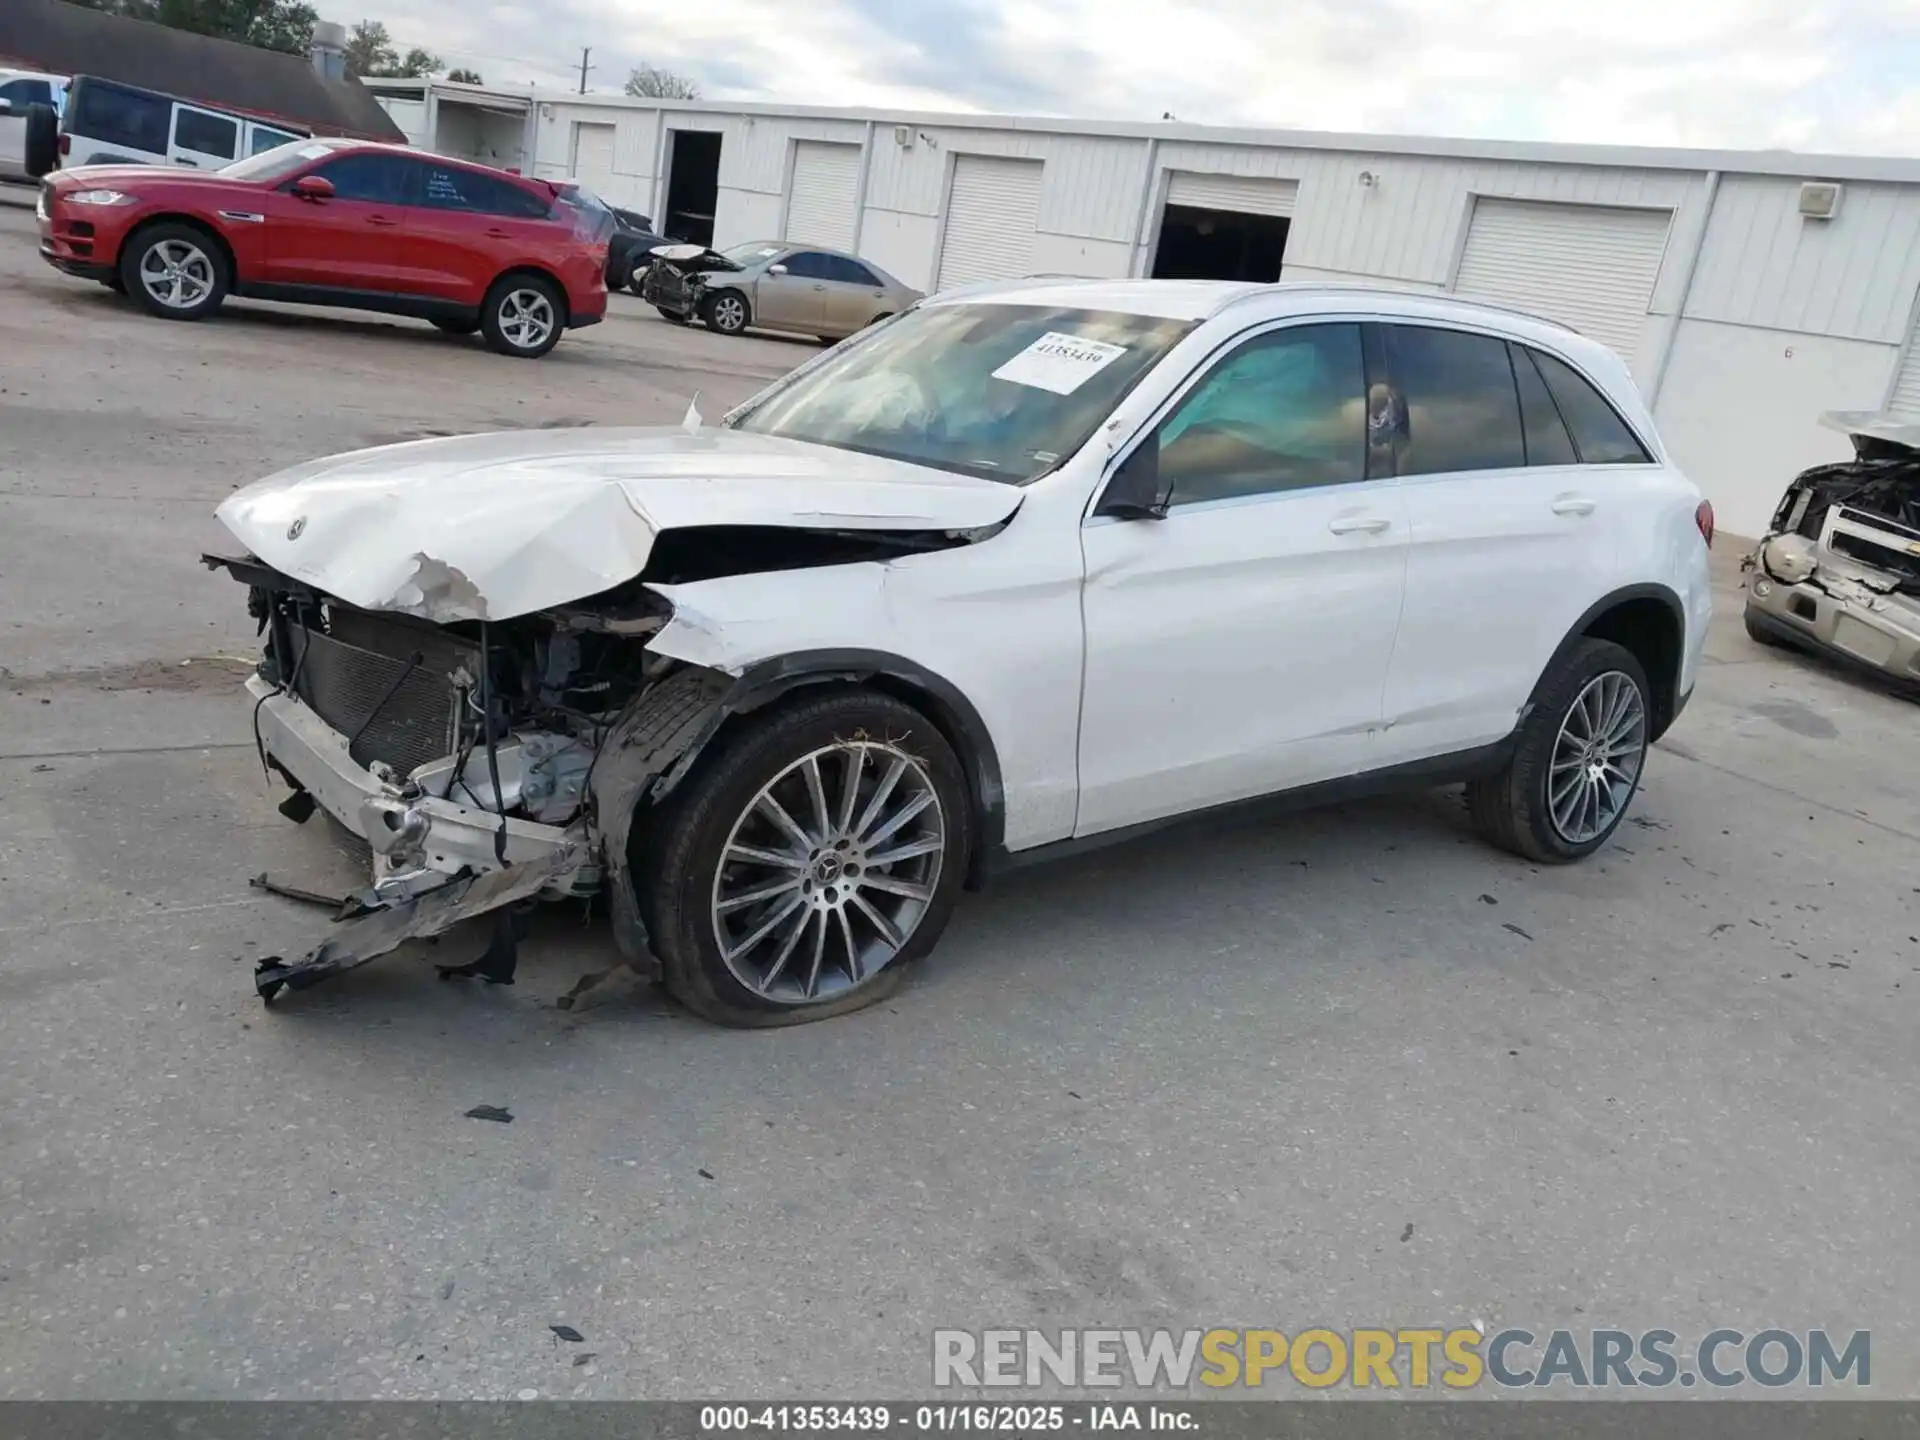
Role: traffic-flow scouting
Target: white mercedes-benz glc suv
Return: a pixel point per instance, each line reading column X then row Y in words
column 1029, row 567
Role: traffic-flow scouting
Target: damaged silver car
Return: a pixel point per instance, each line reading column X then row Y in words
column 1026, row 568
column 1838, row 572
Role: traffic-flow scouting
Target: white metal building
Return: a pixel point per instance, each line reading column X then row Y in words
column 1750, row 291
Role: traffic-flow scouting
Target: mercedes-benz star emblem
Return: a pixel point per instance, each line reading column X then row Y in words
column 294, row 530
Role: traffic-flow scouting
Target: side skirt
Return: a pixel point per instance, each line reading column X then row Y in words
column 1431, row 773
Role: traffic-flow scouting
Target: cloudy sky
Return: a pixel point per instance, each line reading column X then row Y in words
column 1835, row 75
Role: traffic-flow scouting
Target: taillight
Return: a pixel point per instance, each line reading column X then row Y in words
column 1703, row 517
column 66, row 145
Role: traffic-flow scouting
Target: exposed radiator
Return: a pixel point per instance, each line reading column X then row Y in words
column 357, row 678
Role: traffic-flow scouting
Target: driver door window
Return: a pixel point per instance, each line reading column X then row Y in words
column 1287, row 411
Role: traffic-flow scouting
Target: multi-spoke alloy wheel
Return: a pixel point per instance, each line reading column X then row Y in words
column 807, row 861
column 1596, row 757
column 177, row 274
column 523, row 316
column 1576, row 760
column 829, row 871
column 174, row 271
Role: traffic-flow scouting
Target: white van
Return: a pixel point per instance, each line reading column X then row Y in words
column 107, row 123
column 18, row 90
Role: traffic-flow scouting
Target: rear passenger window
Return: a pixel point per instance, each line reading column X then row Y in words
column 1462, row 410
column 1547, row 440
column 450, row 187
column 851, row 272
column 1599, row 433
column 205, row 134
column 1286, row 411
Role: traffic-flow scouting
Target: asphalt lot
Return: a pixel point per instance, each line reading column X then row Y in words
column 1349, row 1069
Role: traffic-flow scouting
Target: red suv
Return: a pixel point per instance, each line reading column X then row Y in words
column 340, row 222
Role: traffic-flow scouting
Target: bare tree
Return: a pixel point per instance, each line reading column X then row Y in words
column 653, row 83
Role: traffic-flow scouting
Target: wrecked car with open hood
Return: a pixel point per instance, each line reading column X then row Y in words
column 1029, row 567
column 1839, row 569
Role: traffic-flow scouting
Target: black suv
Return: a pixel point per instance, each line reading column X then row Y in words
column 633, row 237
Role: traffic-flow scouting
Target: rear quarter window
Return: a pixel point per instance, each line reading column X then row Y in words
column 1599, row 434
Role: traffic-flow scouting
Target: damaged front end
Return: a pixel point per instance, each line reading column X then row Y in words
column 462, row 754
column 1839, row 569
column 676, row 277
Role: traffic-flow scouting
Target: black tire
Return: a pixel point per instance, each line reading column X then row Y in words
column 185, row 253
column 1510, row 809
column 509, row 316
column 726, row 312
column 449, row 326
column 673, row 317
column 678, row 852
column 41, row 150
column 115, row 284
column 1757, row 632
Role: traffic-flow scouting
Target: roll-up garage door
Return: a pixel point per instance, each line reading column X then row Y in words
column 1906, row 385
column 992, row 214
column 1588, row 266
column 826, row 189
column 593, row 157
column 1242, row 194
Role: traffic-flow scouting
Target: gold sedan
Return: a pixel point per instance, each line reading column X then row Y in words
column 771, row 285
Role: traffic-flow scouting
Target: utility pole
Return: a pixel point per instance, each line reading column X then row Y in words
column 585, row 55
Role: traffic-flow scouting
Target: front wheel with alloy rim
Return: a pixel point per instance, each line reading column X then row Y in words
column 175, row 272
column 523, row 316
column 726, row 312
column 1577, row 761
column 817, row 855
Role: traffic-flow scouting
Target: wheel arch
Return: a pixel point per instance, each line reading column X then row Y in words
column 1648, row 621
column 191, row 222
column 943, row 703
column 536, row 272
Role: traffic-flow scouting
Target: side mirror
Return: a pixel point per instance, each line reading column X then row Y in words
column 313, row 187
column 776, row 269
column 1136, row 492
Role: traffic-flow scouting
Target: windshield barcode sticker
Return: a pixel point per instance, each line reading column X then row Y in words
column 1060, row 363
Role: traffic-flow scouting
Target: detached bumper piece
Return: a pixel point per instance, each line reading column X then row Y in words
column 379, row 932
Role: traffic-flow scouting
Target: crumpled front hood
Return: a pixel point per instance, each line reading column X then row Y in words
column 492, row 526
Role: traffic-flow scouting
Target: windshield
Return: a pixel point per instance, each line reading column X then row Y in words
column 1005, row 391
column 750, row 252
column 279, row 161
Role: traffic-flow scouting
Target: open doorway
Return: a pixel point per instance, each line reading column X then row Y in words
column 1198, row 244
column 693, row 185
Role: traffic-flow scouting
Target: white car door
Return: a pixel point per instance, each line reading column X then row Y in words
column 1512, row 537
column 203, row 139
column 1239, row 645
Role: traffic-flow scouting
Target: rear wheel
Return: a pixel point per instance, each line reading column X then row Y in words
column 174, row 271
column 522, row 316
column 726, row 312
column 673, row 316
column 452, row 326
column 1578, row 760
column 818, row 855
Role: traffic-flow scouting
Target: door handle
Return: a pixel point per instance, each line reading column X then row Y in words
column 1572, row 505
column 496, row 233
column 383, row 221
column 819, row 287
column 1359, row 524
column 190, row 164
